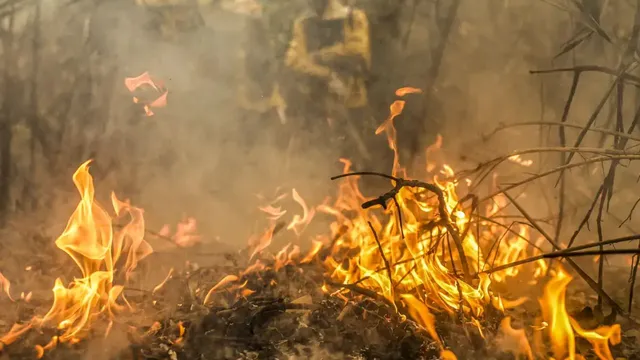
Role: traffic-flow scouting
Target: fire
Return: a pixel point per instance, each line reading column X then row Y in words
column 431, row 151
column 555, row 314
column 514, row 340
column 407, row 90
column 418, row 254
column 98, row 251
column 423, row 253
column 186, row 234
column 5, row 284
column 299, row 223
column 600, row 338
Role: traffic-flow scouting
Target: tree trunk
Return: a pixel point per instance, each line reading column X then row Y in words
column 6, row 122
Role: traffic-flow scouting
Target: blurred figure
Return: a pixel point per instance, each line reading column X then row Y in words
column 330, row 59
column 259, row 93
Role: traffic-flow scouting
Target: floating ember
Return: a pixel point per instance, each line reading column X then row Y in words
column 155, row 95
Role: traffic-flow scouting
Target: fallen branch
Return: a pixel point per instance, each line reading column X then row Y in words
column 442, row 210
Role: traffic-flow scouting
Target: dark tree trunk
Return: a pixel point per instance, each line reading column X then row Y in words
column 6, row 121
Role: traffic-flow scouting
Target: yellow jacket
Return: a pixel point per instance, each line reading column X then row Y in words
column 356, row 43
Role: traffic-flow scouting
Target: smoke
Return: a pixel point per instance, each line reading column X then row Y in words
column 202, row 156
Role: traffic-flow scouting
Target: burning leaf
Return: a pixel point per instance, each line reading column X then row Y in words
column 134, row 83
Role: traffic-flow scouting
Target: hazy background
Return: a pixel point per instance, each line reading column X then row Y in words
column 64, row 101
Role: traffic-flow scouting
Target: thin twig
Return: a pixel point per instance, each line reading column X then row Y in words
column 593, row 253
column 600, row 159
column 400, row 223
column 598, row 289
column 502, row 127
column 632, row 279
column 563, row 251
column 384, row 258
column 633, row 208
column 634, row 80
column 597, row 110
column 600, row 240
column 585, row 219
column 563, row 143
column 362, row 291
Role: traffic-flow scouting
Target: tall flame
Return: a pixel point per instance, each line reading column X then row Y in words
column 90, row 241
column 555, row 314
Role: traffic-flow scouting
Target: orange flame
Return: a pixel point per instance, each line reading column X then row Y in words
column 299, row 223
column 186, row 234
column 5, row 284
column 555, row 314
column 514, row 341
column 413, row 255
column 431, row 151
column 226, row 280
column 394, row 111
column 407, row 90
column 90, row 241
column 600, row 338
column 161, row 285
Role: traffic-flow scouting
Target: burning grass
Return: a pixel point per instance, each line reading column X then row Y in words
column 419, row 272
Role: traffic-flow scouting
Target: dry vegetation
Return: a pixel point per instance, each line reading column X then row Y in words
column 555, row 81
